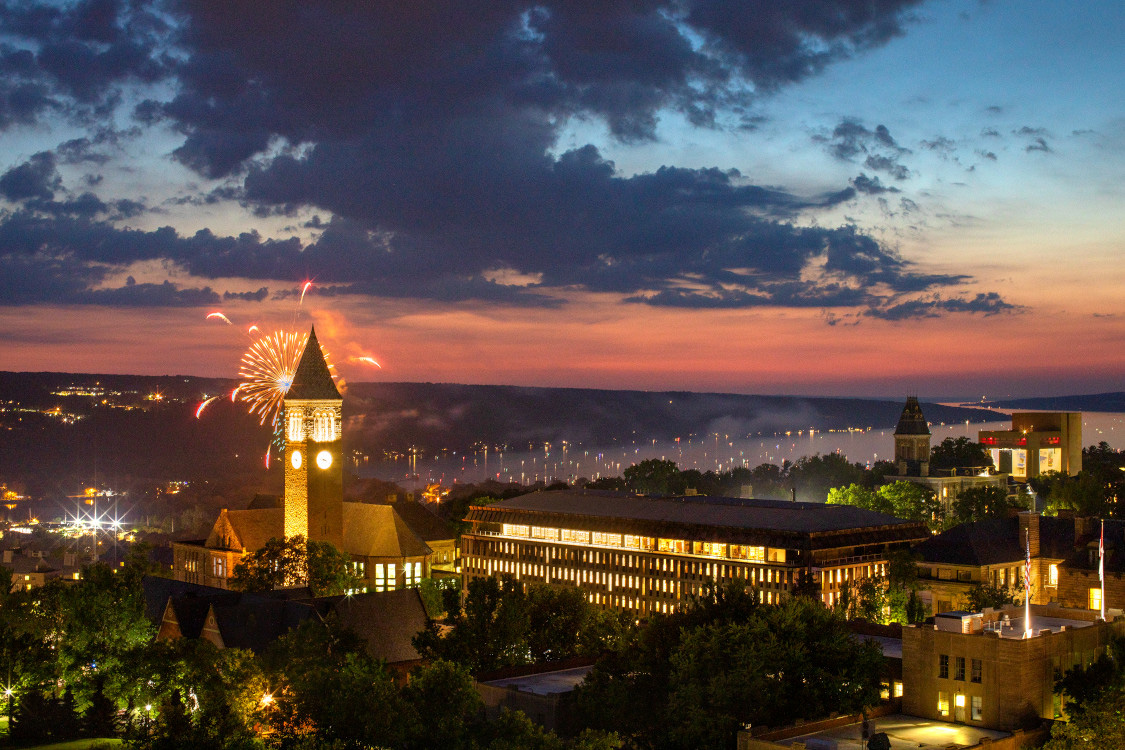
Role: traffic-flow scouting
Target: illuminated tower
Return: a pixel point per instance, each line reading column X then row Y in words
column 912, row 440
column 314, row 467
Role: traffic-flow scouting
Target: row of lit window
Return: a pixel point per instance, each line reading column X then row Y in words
column 647, row 543
column 323, row 425
column 629, row 602
column 959, row 704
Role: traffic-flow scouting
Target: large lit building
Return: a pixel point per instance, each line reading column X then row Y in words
column 387, row 547
column 1037, row 443
column 650, row 555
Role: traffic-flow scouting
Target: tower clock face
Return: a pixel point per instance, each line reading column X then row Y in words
column 295, row 459
column 324, row 459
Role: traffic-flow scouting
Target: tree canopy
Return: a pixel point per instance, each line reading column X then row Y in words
column 294, row 562
column 959, row 453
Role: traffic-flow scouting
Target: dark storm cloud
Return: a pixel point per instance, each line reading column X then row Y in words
column 428, row 134
column 74, row 57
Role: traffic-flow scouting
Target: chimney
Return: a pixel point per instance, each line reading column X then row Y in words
column 1029, row 531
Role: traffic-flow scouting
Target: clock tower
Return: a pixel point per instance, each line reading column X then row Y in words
column 314, row 466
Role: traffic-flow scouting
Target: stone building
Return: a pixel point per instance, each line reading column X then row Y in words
column 652, row 555
column 980, row 669
column 387, row 546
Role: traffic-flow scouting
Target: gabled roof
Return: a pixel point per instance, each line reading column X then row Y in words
column 246, row 529
column 312, row 380
column 997, row 541
column 425, row 523
column 912, row 421
column 369, row 531
column 387, row 620
column 378, row 531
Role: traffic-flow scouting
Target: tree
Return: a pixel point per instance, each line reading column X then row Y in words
column 979, row 503
column 859, row 497
column 812, row 477
column 982, row 595
column 294, row 562
column 490, row 631
column 959, row 453
column 913, row 502
column 1101, row 724
column 654, row 476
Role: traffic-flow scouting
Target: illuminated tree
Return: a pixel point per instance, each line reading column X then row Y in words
column 294, row 562
column 959, row 453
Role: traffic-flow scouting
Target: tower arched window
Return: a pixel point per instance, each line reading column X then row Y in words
column 324, row 426
column 296, row 429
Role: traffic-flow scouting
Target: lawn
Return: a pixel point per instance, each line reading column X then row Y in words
column 94, row 744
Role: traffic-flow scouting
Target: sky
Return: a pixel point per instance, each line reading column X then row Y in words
column 818, row 197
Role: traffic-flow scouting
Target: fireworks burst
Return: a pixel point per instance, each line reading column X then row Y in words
column 204, row 406
column 267, row 370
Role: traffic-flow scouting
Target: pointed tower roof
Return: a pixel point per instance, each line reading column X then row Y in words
column 912, row 422
column 312, row 381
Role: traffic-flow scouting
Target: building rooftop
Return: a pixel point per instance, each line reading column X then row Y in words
column 772, row 515
column 995, row 541
column 912, row 421
column 545, row 683
column 312, row 380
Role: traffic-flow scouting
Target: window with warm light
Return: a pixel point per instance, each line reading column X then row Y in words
column 943, row 703
column 324, row 426
column 1053, row 575
column 296, row 431
column 1096, row 598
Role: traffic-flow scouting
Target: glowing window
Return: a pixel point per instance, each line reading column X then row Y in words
column 1096, row 599
column 392, row 576
column 324, row 426
column 1053, row 575
column 943, row 703
column 296, row 431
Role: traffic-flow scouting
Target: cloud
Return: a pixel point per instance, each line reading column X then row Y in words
column 986, row 304
column 871, row 185
column 850, row 139
column 428, row 136
column 38, row 177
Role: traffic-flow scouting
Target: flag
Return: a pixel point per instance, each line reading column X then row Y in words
column 1027, row 569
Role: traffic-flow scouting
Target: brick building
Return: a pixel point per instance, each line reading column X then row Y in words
column 650, row 555
column 993, row 552
column 979, row 669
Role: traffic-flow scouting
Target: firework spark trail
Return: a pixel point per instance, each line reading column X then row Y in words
column 368, row 360
column 253, row 328
column 304, row 289
column 267, row 370
column 204, row 406
column 220, row 316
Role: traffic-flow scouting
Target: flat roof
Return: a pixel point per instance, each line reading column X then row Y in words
column 903, row 731
column 772, row 515
column 545, row 683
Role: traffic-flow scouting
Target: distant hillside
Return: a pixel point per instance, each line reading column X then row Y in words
column 1090, row 402
column 47, row 431
column 395, row 416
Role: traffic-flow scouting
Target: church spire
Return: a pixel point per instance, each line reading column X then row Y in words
column 312, row 381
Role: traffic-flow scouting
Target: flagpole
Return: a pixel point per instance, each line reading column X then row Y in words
column 1027, row 588
column 1101, row 566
